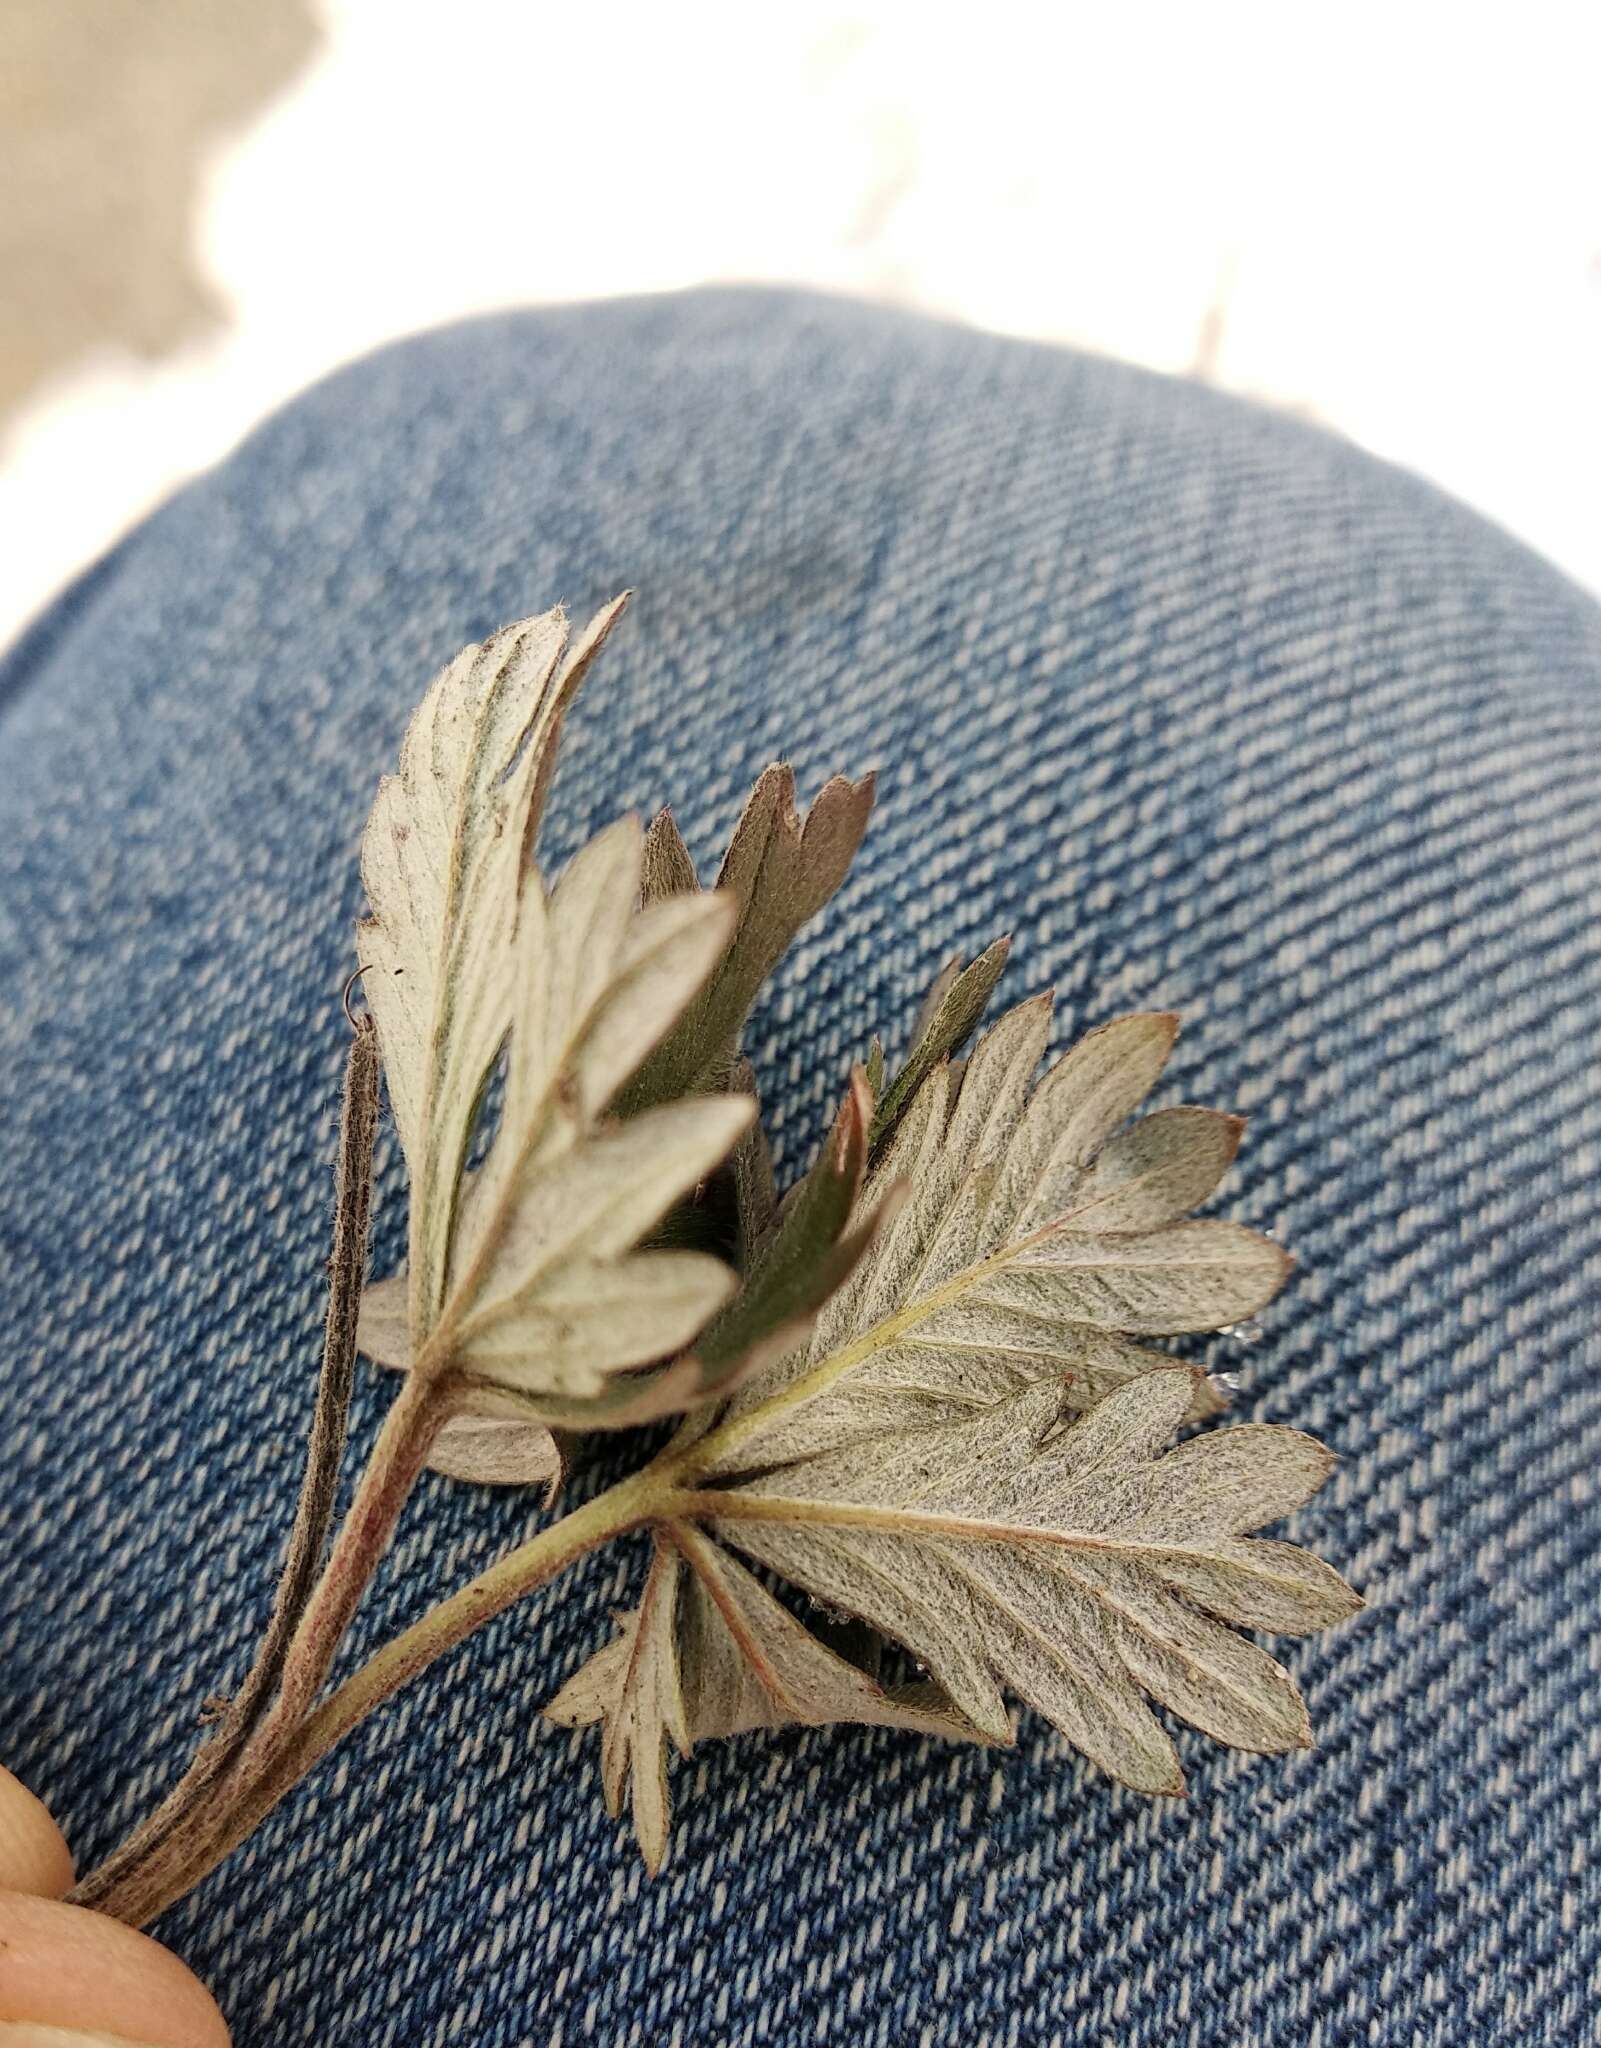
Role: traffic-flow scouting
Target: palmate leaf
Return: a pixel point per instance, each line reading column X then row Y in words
column 1074, row 1567
column 917, row 1464
column 545, row 1295
column 778, row 872
column 544, row 1291
column 524, row 1281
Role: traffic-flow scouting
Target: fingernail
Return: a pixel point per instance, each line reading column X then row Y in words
column 29, row 2034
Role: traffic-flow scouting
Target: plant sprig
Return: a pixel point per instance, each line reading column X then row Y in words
column 915, row 1390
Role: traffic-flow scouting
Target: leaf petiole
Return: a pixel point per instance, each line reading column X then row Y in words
column 358, row 1122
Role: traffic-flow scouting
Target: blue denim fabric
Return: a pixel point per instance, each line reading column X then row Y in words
column 1211, row 711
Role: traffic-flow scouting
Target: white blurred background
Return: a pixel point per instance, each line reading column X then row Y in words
column 1384, row 217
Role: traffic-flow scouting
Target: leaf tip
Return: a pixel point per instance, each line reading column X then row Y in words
column 1301, row 1736
column 610, row 612
column 1286, row 1261
column 1210, row 1397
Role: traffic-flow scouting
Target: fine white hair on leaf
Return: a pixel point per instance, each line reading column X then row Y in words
column 969, row 1453
column 525, row 1276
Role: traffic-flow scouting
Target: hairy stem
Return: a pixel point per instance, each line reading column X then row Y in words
column 275, row 1732
column 280, row 1767
column 347, row 1266
column 397, row 1458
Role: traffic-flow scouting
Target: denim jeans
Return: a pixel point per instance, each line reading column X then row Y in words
column 1212, row 712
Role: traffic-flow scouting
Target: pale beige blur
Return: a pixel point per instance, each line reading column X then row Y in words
column 109, row 110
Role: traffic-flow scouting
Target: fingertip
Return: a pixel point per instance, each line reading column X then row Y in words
column 34, row 1856
column 65, row 1967
column 26, row 2034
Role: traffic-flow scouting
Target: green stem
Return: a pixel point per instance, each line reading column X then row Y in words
column 634, row 1500
column 296, row 1733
